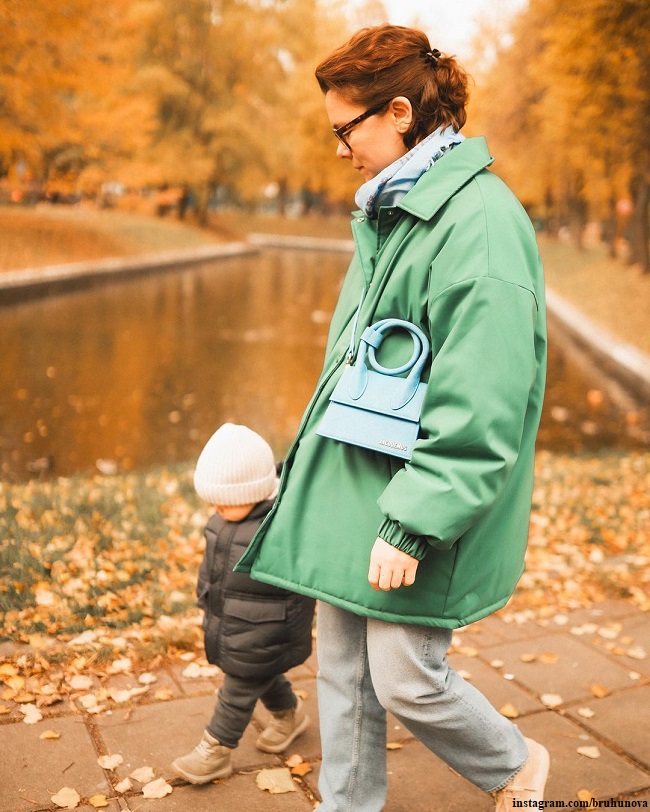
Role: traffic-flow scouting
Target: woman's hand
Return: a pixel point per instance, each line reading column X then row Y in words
column 390, row 568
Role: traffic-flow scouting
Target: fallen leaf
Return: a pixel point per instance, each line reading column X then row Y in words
column 31, row 713
column 527, row 658
column 496, row 663
column 294, row 760
column 66, row 798
column 124, row 786
column 7, row 670
column 50, row 734
column 551, row 700
column 637, row 653
column 548, row 658
column 4, row 709
column 276, row 781
column 143, row 775
column 599, row 691
column 509, row 711
column 98, row 801
column 120, row 666
column 301, row 769
column 394, row 746
column 163, row 694
column 147, row 679
column 80, row 682
column 586, row 713
column 586, row 795
column 589, row 752
column 110, row 762
column 156, row 789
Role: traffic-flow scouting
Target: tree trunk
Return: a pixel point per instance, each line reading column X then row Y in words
column 640, row 253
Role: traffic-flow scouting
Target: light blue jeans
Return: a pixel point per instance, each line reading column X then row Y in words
column 368, row 667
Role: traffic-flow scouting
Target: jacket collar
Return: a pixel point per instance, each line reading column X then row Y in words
column 446, row 177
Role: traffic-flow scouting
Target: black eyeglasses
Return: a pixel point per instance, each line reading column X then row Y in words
column 341, row 132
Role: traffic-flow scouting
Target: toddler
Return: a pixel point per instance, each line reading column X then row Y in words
column 254, row 632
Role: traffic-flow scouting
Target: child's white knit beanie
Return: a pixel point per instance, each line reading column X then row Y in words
column 236, row 467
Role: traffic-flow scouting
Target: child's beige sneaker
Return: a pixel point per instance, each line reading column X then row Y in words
column 208, row 760
column 284, row 727
column 528, row 785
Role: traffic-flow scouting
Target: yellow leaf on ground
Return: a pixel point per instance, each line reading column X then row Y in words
column 4, row 709
column 124, row 786
column 294, row 760
column 31, row 713
column 586, row 713
column 599, row 691
column 548, row 658
column 50, row 734
column 98, row 801
column 66, row 798
column 163, row 694
column 551, row 700
column 589, row 752
column 15, row 682
column 509, row 711
column 156, row 789
column 301, row 769
column 142, row 775
column 394, row 746
column 527, row 658
column 586, row 795
column 275, row 781
column 110, row 762
column 7, row 670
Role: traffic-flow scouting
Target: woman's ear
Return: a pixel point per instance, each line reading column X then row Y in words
column 402, row 111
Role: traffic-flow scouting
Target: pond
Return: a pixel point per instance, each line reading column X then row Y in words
column 141, row 371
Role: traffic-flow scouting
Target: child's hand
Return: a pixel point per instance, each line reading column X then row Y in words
column 390, row 568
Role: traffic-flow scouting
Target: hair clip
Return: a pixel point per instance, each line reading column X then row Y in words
column 434, row 55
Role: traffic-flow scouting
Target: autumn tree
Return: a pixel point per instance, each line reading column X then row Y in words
column 59, row 87
column 563, row 104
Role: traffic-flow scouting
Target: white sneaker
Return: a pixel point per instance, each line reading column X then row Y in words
column 528, row 784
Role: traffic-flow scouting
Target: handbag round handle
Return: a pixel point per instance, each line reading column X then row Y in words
column 371, row 340
column 374, row 335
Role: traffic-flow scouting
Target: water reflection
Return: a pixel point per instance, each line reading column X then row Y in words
column 142, row 371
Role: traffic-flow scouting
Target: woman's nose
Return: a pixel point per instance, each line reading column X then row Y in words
column 342, row 151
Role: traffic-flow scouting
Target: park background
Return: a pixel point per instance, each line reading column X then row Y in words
column 137, row 128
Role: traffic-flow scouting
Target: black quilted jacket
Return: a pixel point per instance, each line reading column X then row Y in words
column 252, row 630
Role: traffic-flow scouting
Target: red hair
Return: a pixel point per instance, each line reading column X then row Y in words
column 377, row 64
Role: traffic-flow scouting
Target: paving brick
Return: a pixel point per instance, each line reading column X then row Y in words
column 571, row 772
column 498, row 690
column 157, row 734
column 623, row 718
column 579, row 666
column 236, row 794
column 32, row 770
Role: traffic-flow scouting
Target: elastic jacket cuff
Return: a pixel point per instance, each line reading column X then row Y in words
column 415, row 546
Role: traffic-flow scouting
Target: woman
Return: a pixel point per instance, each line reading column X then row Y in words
column 400, row 553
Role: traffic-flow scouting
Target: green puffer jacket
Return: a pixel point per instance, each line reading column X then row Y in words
column 457, row 257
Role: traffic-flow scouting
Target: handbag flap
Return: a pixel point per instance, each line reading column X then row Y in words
column 381, row 392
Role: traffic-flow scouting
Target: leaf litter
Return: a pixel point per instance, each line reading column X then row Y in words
column 103, row 573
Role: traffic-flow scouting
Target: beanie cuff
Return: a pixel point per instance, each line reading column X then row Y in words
column 239, row 493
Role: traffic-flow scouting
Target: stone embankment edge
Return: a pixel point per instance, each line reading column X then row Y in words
column 622, row 360
column 31, row 279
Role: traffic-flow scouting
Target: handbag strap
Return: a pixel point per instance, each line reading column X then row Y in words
column 371, row 340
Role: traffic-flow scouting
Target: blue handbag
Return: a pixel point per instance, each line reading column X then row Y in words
column 377, row 408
